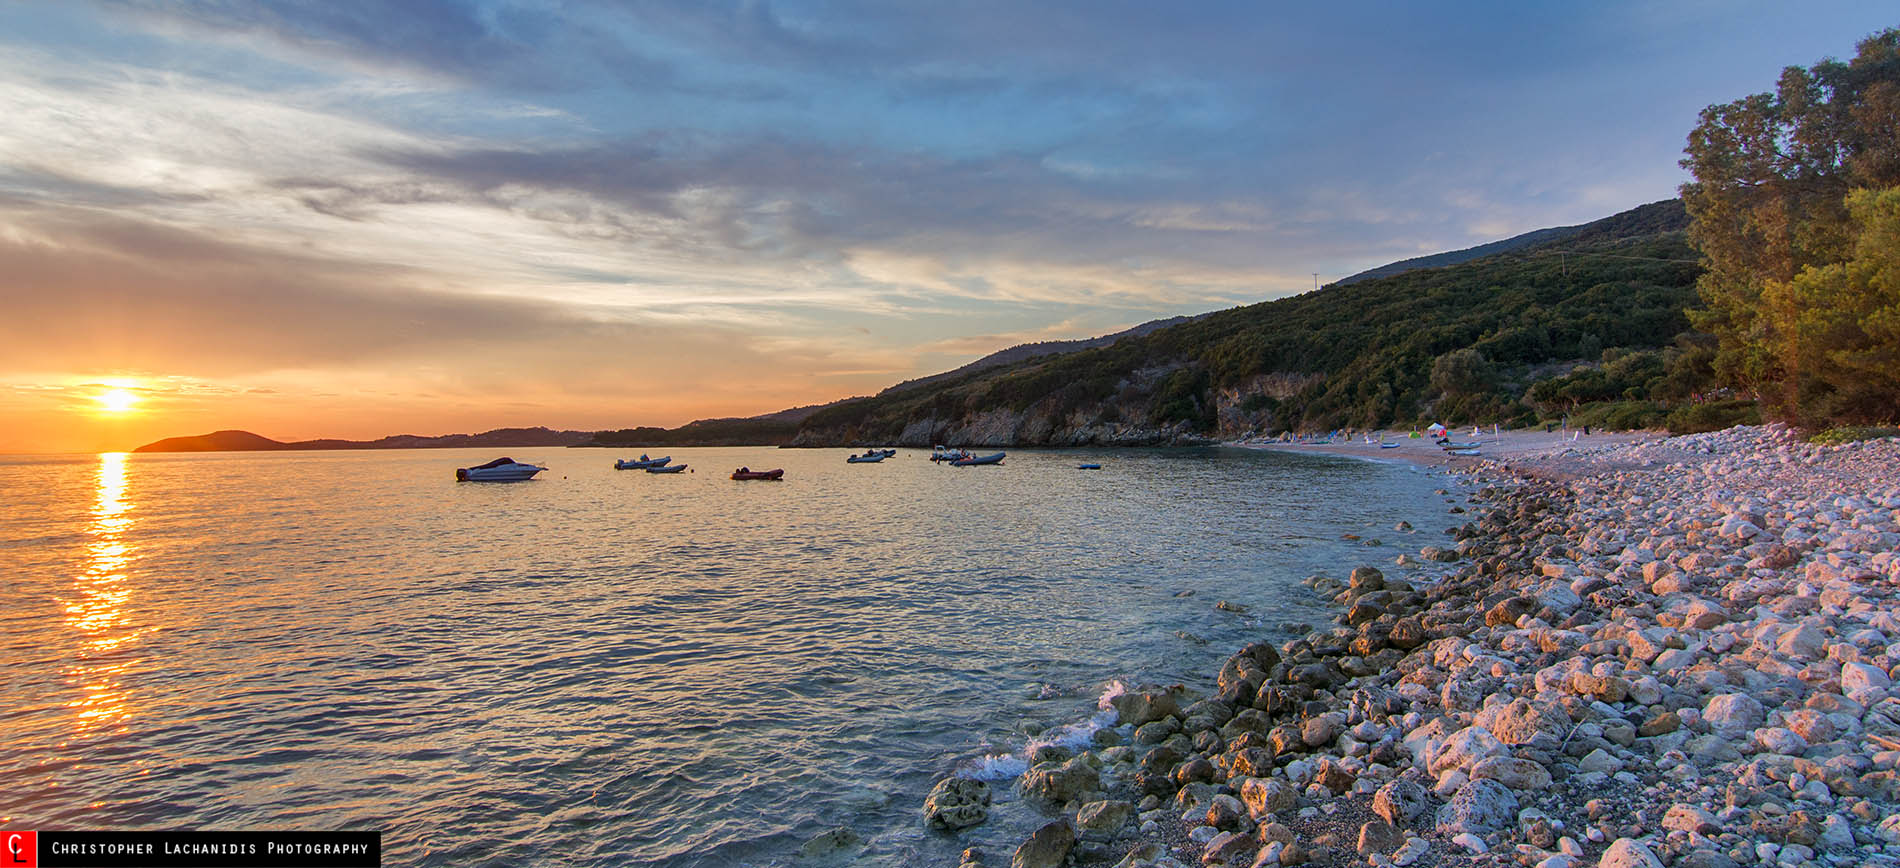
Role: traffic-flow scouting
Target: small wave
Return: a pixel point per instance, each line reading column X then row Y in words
column 995, row 767
column 1075, row 736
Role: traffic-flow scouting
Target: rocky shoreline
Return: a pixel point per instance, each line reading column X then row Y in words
column 1670, row 653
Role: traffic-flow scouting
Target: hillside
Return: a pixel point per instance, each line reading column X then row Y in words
column 245, row 441
column 1359, row 354
column 1024, row 352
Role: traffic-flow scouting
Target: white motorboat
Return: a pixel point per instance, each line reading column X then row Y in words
column 498, row 470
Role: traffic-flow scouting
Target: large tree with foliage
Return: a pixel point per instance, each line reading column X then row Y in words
column 1838, row 325
column 1772, row 176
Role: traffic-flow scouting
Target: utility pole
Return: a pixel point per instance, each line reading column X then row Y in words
column 1315, row 281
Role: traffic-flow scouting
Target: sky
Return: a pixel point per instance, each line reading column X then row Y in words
column 341, row 218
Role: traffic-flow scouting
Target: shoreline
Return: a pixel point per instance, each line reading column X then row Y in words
column 1642, row 652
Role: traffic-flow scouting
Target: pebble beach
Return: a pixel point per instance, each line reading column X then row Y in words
column 1621, row 651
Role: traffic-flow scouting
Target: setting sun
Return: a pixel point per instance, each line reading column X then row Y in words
column 116, row 401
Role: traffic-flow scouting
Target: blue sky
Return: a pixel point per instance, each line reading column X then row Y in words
column 451, row 215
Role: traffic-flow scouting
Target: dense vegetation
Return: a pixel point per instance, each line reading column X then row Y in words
column 1796, row 207
column 705, row 432
column 1460, row 344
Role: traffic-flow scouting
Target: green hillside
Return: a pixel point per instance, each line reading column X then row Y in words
column 1461, row 343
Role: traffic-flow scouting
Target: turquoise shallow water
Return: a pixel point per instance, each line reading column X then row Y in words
column 603, row 667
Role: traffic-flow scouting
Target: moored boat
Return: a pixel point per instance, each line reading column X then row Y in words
column 1088, row 467
column 676, row 468
column 748, row 473
column 498, row 470
column 870, row 456
column 942, row 454
column 978, row 460
column 1465, row 452
column 642, row 463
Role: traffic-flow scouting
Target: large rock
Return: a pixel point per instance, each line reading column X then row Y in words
column 1104, row 816
column 1518, row 774
column 1521, row 720
column 1379, row 836
column 1465, row 748
column 1628, row 853
column 1228, row 846
column 832, row 844
column 1803, row 643
column 1733, row 714
column 1407, row 633
column 1059, row 783
column 955, row 803
column 1264, row 797
column 1506, row 612
column 1479, row 807
column 1859, row 676
column 1145, row 706
column 1400, row 802
column 1047, row 847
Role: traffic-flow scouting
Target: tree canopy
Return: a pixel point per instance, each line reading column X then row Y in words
column 1771, row 215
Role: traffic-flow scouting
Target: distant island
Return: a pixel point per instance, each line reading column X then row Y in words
column 245, row 441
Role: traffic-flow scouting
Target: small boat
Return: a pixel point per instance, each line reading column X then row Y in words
column 498, row 470
column 748, row 473
column 643, row 462
column 942, row 454
column 1088, row 467
column 870, row 456
column 1466, row 452
column 1449, row 445
column 978, row 461
column 1388, row 446
column 673, row 469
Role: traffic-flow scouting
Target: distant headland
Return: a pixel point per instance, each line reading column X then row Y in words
column 245, row 441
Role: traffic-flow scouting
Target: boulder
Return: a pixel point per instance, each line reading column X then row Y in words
column 1379, row 837
column 833, row 843
column 1733, row 714
column 1480, row 808
column 1047, row 847
column 1465, row 748
column 1407, row 633
column 1265, row 798
column 1145, row 706
column 1059, row 783
column 1684, row 817
column 1400, row 802
column 1506, row 612
column 1628, row 853
column 955, row 803
column 1228, row 847
column 1104, row 816
column 1521, row 720
column 1518, row 774
column 1860, row 676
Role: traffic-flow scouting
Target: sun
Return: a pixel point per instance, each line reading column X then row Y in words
column 116, row 401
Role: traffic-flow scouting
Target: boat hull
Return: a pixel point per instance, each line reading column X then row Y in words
column 677, row 468
column 758, row 475
column 517, row 473
column 979, row 461
column 643, row 465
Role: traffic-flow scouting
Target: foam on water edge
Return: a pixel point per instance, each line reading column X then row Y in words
column 1074, row 736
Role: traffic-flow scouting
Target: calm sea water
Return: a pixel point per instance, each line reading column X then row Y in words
column 607, row 668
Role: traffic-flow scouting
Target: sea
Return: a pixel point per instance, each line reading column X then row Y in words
column 603, row 667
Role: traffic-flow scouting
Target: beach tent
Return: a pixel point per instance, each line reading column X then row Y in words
column 1437, row 430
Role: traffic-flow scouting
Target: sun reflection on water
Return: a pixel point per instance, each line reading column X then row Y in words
column 98, row 609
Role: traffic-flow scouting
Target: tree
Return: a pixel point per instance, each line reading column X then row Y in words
column 1463, row 372
column 1772, row 172
column 1838, row 325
